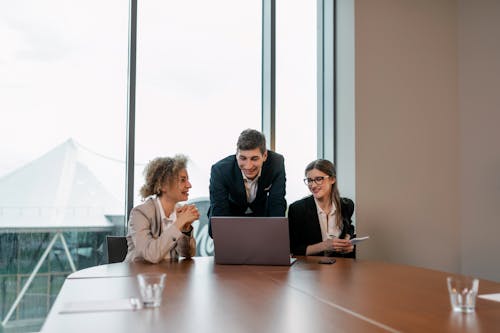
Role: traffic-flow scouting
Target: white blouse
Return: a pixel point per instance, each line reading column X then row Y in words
column 327, row 222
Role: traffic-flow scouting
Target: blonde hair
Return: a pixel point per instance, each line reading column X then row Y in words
column 161, row 171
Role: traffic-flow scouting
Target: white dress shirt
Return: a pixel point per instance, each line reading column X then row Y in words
column 327, row 222
column 167, row 223
column 251, row 186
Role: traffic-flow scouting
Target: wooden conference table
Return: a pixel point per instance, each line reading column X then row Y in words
column 348, row 296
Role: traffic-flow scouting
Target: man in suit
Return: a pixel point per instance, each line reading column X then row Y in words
column 249, row 183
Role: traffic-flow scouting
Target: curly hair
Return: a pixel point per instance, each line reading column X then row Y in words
column 159, row 171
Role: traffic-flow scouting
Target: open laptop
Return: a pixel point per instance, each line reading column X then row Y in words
column 251, row 240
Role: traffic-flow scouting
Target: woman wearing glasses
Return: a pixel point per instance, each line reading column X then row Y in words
column 321, row 224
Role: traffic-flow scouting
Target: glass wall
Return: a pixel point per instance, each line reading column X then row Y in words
column 198, row 85
column 63, row 94
column 63, row 72
column 346, row 159
column 296, row 85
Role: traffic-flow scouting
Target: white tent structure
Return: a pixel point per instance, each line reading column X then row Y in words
column 55, row 191
column 52, row 194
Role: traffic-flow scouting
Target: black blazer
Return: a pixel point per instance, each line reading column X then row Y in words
column 228, row 195
column 304, row 227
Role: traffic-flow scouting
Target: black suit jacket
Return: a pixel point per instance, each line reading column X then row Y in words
column 228, row 195
column 304, row 227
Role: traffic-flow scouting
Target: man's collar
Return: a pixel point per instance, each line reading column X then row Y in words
column 245, row 179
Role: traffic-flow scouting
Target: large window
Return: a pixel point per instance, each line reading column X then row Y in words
column 63, row 72
column 296, row 96
column 198, row 84
column 63, row 102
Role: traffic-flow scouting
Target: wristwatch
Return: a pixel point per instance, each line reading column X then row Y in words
column 188, row 232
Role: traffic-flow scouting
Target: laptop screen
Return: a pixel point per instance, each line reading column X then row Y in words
column 251, row 240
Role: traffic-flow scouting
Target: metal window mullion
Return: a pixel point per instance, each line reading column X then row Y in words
column 326, row 80
column 130, row 158
column 269, row 72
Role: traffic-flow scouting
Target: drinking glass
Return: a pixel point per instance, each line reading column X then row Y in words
column 463, row 292
column 151, row 287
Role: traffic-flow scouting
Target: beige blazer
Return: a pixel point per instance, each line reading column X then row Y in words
column 148, row 240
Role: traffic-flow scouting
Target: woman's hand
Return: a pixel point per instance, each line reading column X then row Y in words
column 186, row 215
column 339, row 245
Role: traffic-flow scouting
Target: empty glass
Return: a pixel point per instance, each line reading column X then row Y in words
column 463, row 292
column 151, row 287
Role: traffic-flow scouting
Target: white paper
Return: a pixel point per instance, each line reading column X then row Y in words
column 491, row 297
column 102, row 305
column 359, row 239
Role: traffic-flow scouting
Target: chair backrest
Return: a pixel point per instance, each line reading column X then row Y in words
column 204, row 244
column 117, row 248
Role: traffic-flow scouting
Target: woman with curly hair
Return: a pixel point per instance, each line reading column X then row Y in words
column 159, row 228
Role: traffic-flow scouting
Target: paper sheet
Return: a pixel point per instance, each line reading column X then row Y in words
column 102, row 305
column 359, row 239
column 491, row 297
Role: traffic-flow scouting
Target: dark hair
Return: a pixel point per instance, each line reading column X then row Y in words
column 159, row 171
column 250, row 139
column 328, row 168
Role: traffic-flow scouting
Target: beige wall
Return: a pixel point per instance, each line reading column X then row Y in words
column 407, row 132
column 427, row 138
column 479, row 88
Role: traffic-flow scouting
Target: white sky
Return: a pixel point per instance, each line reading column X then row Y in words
column 63, row 72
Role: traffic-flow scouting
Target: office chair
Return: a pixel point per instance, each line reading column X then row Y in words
column 117, row 248
column 204, row 244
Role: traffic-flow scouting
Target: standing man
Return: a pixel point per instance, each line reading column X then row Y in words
column 250, row 183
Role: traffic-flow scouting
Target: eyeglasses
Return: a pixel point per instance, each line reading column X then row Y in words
column 317, row 180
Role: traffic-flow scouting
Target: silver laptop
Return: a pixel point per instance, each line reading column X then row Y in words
column 251, row 240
